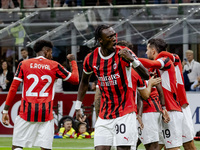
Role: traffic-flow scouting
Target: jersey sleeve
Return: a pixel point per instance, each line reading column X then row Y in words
column 132, row 54
column 61, row 72
column 87, row 68
column 173, row 57
column 141, row 84
column 155, row 64
column 19, row 75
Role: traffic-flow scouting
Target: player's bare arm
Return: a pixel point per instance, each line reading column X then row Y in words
column 139, row 68
column 165, row 114
column 83, row 87
column 97, row 100
column 9, row 99
column 145, row 93
column 139, row 110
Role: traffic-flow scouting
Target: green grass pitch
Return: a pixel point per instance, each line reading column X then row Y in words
column 66, row 144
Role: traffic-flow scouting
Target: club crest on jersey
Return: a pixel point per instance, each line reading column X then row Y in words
column 114, row 65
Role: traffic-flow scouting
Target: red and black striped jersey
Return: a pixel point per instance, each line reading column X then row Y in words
column 137, row 83
column 179, row 75
column 152, row 104
column 166, row 70
column 114, row 80
column 38, row 76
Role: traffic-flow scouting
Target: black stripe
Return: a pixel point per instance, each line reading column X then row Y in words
column 108, row 86
column 62, row 70
column 43, row 112
column 98, row 64
column 167, row 67
column 57, row 75
column 49, row 107
column 123, row 84
column 24, row 103
column 175, row 98
column 156, row 106
column 18, row 70
column 104, row 103
column 166, row 60
column 118, row 94
column 91, row 59
column 146, row 100
column 36, row 112
column 29, row 112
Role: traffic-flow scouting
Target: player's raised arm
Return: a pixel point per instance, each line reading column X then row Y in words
column 150, row 63
column 74, row 78
column 137, row 66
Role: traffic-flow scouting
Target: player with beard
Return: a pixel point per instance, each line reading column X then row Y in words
column 112, row 64
column 188, row 128
column 163, row 66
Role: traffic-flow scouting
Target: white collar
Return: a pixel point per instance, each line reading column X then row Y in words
column 105, row 57
column 40, row 57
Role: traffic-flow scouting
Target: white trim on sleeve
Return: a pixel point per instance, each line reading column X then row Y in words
column 19, row 79
column 68, row 76
column 162, row 63
column 87, row 72
column 141, row 88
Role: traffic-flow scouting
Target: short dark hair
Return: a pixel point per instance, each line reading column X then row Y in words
column 40, row 44
column 98, row 31
column 159, row 44
column 68, row 119
column 125, row 43
column 23, row 49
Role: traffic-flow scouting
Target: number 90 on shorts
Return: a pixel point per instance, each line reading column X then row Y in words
column 121, row 131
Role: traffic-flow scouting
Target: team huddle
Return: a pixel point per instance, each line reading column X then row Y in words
column 141, row 99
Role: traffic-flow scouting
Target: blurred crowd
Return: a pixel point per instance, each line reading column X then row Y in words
column 68, row 3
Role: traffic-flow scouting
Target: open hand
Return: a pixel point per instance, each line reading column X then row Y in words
column 154, row 81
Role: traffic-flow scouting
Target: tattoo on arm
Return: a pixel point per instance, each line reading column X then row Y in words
column 97, row 100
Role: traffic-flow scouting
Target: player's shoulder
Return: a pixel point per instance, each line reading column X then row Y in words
column 94, row 52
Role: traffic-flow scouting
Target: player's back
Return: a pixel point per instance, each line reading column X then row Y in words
column 38, row 76
column 169, row 81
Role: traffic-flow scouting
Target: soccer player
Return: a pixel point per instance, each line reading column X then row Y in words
column 151, row 114
column 112, row 66
column 188, row 129
column 172, row 131
column 35, row 126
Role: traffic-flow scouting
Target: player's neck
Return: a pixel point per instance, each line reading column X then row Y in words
column 105, row 52
column 41, row 53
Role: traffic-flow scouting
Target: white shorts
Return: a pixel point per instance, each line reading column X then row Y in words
column 121, row 131
column 188, row 128
column 171, row 133
column 28, row 134
column 150, row 132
